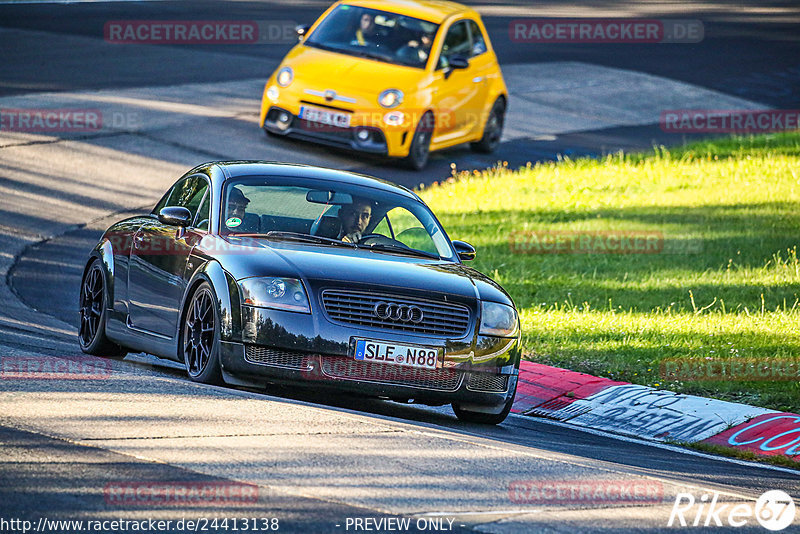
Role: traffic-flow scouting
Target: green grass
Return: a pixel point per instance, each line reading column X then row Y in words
column 726, row 284
column 722, row 450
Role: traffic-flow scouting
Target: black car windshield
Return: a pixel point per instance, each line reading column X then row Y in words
column 374, row 34
column 323, row 213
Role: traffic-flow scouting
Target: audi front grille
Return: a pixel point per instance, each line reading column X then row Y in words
column 487, row 382
column 396, row 313
column 276, row 358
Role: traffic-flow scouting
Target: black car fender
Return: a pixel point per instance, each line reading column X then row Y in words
column 104, row 252
column 227, row 292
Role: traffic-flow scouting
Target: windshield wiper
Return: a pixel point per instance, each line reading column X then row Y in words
column 378, row 57
column 306, row 238
column 316, row 239
column 403, row 250
column 372, row 55
column 324, row 47
column 359, row 53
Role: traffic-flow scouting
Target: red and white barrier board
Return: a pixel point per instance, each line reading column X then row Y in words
column 650, row 413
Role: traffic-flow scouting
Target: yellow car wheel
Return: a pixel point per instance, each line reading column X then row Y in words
column 420, row 144
column 493, row 130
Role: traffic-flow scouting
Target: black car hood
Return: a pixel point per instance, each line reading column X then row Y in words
column 358, row 267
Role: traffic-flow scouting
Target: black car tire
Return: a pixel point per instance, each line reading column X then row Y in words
column 482, row 418
column 493, row 130
column 94, row 311
column 199, row 340
column 420, row 147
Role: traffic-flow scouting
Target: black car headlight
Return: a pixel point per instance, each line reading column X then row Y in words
column 279, row 293
column 498, row 320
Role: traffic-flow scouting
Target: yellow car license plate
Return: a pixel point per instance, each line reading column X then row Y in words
column 322, row 116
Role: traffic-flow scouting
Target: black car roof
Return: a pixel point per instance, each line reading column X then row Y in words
column 235, row 169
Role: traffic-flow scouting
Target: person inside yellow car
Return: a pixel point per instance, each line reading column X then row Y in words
column 420, row 49
column 366, row 30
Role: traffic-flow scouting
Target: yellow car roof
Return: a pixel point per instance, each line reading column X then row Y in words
column 430, row 10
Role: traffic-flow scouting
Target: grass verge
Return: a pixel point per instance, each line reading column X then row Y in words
column 739, row 454
column 712, row 287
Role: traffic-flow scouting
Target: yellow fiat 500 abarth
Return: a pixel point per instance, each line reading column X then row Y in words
column 393, row 78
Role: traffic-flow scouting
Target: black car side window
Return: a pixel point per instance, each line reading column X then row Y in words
column 188, row 193
column 161, row 203
column 203, row 214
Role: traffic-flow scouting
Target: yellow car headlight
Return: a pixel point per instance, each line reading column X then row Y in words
column 391, row 98
column 285, row 76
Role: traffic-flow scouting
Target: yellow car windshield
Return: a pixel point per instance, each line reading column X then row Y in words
column 374, row 34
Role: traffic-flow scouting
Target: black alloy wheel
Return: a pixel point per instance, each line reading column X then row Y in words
column 92, row 307
column 200, row 337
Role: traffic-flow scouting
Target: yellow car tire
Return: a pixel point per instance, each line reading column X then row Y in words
column 419, row 150
column 493, row 130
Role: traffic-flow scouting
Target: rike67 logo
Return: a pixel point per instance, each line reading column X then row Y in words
column 774, row 510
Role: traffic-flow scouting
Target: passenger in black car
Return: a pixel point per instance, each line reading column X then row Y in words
column 354, row 219
column 236, row 218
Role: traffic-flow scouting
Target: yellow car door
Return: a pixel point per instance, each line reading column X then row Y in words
column 461, row 88
column 485, row 72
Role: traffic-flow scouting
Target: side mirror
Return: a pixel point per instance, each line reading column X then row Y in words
column 454, row 63
column 175, row 216
column 459, row 62
column 465, row 251
column 302, row 30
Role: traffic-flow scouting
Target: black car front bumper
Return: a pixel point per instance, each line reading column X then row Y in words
column 309, row 350
column 370, row 379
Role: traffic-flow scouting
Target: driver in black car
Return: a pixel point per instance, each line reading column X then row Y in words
column 354, row 219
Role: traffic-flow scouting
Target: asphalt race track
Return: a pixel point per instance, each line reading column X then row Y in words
column 316, row 462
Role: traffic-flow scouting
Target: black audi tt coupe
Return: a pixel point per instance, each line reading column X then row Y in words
column 253, row 273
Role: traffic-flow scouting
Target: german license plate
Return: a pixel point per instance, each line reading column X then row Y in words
column 396, row 354
column 340, row 120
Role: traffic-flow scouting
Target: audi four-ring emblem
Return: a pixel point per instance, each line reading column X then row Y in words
column 398, row 312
